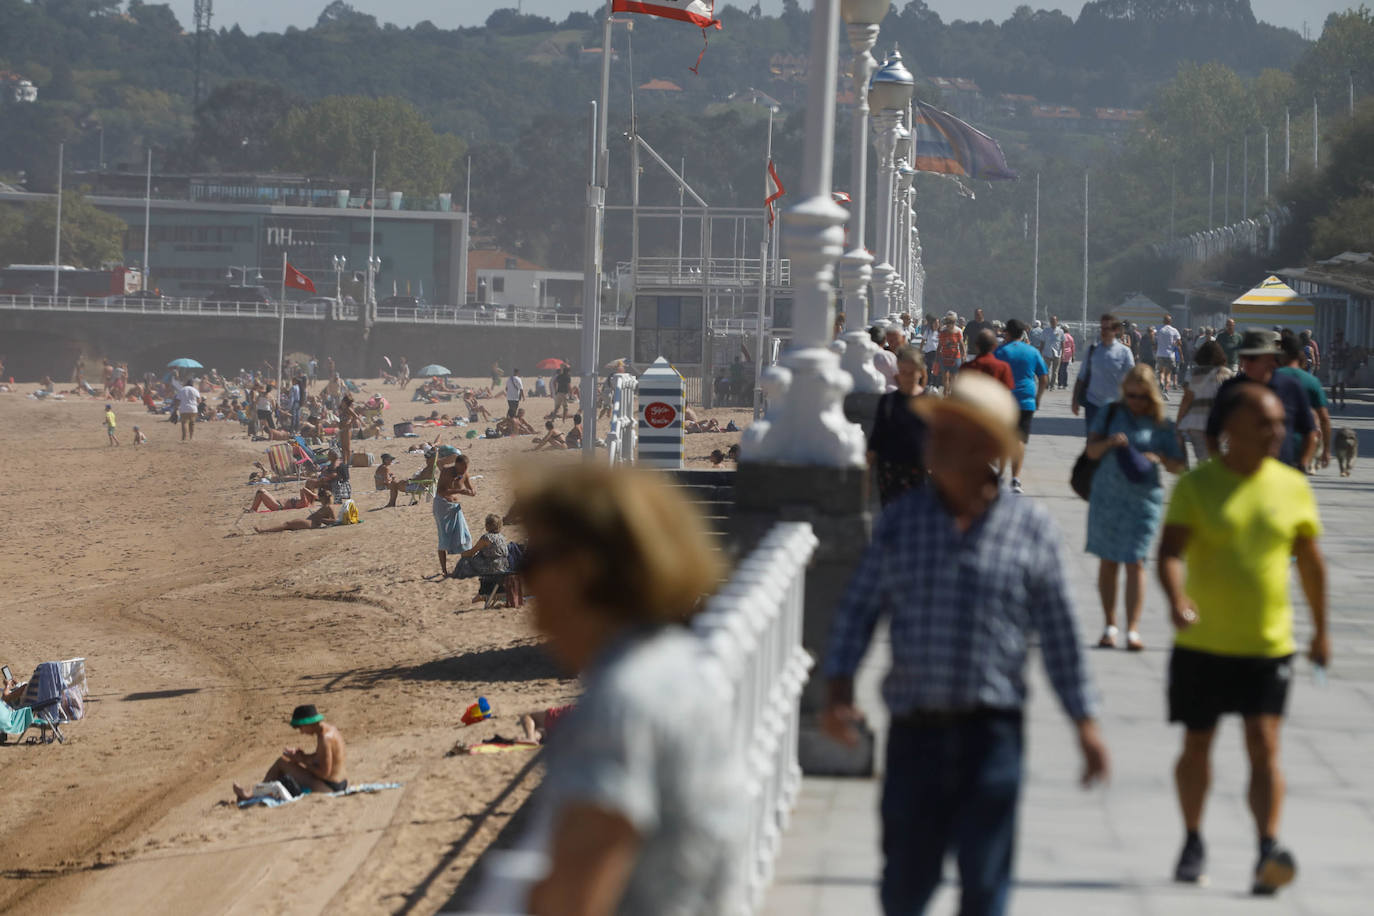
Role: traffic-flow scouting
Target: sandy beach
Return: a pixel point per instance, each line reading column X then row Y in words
column 199, row 643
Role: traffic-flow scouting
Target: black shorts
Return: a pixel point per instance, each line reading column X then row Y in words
column 1204, row 686
column 512, row 408
column 1024, row 424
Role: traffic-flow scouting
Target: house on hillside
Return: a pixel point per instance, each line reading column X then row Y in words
column 14, row 88
column 960, row 94
column 660, row 85
column 1012, row 105
column 1116, row 120
column 1055, row 117
column 755, row 97
column 788, row 68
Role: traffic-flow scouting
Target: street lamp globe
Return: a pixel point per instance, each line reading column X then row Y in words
column 863, row 12
column 892, row 86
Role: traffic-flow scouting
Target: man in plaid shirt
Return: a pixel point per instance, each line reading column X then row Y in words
column 967, row 575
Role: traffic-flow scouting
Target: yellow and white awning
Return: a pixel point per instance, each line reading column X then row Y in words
column 1140, row 310
column 1274, row 304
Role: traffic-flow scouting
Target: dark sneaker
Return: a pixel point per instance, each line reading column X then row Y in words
column 1274, row 870
column 1192, row 863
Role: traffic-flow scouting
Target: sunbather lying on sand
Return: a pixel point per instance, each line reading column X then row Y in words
column 321, row 770
column 320, row 518
column 263, row 499
column 536, row 726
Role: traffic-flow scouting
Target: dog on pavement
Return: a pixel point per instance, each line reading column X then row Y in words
column 1346, row 447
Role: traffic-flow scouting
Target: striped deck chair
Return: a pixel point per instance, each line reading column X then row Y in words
column 281, row 460
column 319, row 458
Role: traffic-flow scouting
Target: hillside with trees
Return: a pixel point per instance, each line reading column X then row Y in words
column 513, row 94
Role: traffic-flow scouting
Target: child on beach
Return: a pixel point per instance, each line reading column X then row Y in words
column 110, row 424
column 139, row 436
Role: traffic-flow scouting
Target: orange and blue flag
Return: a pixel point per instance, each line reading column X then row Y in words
column 946, row 145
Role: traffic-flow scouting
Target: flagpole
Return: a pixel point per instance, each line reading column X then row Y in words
column 1035, row 270
column 281, row 326
column 147, row 215
column 1085, row 253
column 763, row 277
column 57, row 241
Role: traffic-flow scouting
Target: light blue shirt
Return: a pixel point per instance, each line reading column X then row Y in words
column 1106, row 367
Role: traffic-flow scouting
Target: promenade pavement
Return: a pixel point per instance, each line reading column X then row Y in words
column 1111, row 850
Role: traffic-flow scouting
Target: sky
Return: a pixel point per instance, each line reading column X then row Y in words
column 274, row 15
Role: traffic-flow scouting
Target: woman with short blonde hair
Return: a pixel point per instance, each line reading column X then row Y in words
column 618, row 562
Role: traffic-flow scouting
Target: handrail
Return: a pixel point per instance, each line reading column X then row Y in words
column 622, row 436
column 716, row 271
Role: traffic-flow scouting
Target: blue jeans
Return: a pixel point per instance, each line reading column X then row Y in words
column 1089, row 414
column 951, row 788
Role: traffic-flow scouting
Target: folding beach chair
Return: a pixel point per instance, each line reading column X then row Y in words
column 55, row 693
column 305, row 452
column 281, row 460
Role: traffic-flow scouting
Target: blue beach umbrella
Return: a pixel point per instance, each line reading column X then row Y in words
column 433, row 369
column 184, row 363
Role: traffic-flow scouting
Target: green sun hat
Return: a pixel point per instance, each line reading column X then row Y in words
column 305, row 714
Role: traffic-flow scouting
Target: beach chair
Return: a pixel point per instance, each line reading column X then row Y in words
column 281, row 460
column 56, row 693
column 317, row 458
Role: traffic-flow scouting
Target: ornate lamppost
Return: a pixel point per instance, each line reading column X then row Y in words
column 889, row 92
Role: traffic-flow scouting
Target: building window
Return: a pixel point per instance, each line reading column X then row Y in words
column 498, row 284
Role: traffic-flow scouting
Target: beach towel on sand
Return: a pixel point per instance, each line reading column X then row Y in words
column 269, row 802
column 15, row 721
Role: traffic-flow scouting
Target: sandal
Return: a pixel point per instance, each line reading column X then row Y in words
column 1108, row 640
column 1134, row 642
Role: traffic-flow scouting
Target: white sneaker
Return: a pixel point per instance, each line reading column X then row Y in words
column 1016, row 486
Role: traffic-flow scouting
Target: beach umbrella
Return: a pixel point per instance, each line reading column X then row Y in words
column 432, row 370
column 550, row 364
column 184, row 363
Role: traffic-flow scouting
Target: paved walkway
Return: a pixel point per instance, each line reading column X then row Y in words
column 1112, row 851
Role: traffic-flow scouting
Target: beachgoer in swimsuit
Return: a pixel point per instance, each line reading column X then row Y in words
column 263, row 499
column 320, row 518
column 454, row 535
column 321, row 770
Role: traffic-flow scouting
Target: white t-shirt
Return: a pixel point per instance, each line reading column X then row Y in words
column 514, row 388
column 1166, row 338
column 188, row 399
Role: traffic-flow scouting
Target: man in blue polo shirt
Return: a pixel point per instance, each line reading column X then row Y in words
column 1030, row 373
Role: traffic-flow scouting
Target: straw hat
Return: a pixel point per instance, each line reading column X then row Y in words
column 980, row 399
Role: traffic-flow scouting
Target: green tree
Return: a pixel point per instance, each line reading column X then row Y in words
column 1346, row 48
column 336, row 136
column 235, row 125
column 89, row 236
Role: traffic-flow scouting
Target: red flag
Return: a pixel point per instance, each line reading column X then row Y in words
column 775, row 190
column 297, row 280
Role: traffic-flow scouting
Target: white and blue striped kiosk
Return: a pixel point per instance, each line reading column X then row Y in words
column 662, row 397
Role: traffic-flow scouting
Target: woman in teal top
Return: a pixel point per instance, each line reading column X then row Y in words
column 1133, row 440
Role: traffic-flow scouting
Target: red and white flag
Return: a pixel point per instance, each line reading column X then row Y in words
column 698, row 12
column 297, row 280
column 775, row 190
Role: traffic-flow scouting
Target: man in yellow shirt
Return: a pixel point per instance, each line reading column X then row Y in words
column 1235, row 522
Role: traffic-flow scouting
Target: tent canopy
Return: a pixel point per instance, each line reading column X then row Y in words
column 1140, row 310
column 1274, row 304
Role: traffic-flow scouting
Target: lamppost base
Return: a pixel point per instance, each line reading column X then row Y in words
column 816, row 433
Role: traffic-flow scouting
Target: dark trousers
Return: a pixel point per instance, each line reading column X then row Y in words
column 1089, row 415
column 951, row 787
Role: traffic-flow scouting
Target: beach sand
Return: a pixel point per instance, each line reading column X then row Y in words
column 198, row 644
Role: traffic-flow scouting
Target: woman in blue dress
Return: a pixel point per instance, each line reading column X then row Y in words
column 1133, row 440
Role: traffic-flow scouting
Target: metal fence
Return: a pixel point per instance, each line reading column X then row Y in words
column 622, row 433
column 304, row 310
column 750, row 635
column 714, row 271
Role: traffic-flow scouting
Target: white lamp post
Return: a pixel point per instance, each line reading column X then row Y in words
column 888, row 94
column 805, row 423
column 856, row 266
column 901, row 235
column 340, row 265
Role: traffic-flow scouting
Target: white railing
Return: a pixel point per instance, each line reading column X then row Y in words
column 715, row 272
column 750, row 635
column 752, row 628
column 622, row 433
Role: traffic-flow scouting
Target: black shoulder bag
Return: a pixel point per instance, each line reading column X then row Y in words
column 1085, row 468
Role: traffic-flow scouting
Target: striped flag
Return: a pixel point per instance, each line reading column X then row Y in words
column 775, row 190
column 946, row 145
column 698, row 12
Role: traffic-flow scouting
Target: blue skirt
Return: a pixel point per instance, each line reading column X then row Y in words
column 454, row 536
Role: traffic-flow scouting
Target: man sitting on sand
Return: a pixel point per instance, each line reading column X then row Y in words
column 321, row 770
column 320, row 518
column 552, row 438
column 385, row 479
